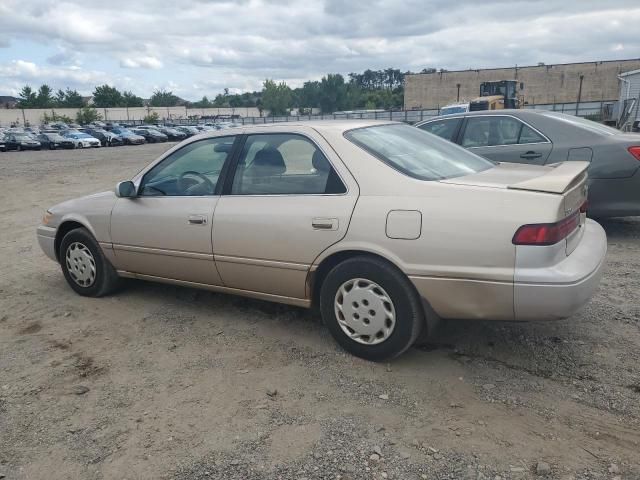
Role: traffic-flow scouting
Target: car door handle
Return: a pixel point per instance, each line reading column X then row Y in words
column 197, row 220
column 324, row 223
column 531, row 154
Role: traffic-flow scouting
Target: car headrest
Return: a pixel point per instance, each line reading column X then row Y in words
column 319, row 162
column 271, row 159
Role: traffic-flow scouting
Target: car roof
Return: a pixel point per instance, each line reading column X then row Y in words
column 335, row 126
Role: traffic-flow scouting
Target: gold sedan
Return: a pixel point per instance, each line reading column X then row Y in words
column 385, row 227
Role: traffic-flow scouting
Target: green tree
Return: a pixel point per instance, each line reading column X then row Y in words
column 45, row 98
column 276, row 97
column 72, row 99
column 69, row 99
column 27, row 97
column 87, row 115
column 152, row 118
column 105, row 96
column 131, row 100
column 204, row 103
column 54, row 117
column 309, row 95
column 333, row 93
column 163, row 98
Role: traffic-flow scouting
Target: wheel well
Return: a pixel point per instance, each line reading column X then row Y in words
column 63, row 229
column 331, row 261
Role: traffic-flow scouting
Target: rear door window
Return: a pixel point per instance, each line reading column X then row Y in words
column 489, row 131
column 284, row 164
column 445, row 128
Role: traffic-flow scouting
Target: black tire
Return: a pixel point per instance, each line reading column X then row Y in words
column 79, row 145
column 106, row 279
column 409, row 314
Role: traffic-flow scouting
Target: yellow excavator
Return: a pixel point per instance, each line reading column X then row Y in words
column 497, row 95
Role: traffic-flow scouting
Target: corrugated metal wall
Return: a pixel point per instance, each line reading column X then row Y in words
column 630, row 88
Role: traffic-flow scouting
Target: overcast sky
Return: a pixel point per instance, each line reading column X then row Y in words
column 199, row 47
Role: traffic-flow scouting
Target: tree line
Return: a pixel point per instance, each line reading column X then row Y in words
column 104, row 96
column 371, row 89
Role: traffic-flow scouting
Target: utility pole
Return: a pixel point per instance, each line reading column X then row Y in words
column 579, row 94
column 458, row 99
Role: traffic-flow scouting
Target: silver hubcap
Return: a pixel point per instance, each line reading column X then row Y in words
column 81, row 264
column 364, row 311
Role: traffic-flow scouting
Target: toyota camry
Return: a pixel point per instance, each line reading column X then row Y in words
column 385, row 227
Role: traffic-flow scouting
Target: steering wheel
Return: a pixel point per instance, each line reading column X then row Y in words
column 187, row 189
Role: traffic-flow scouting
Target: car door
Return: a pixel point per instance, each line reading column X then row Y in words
column 11, row 143
column 165, row 231
column 289, row 199
column 504, row 138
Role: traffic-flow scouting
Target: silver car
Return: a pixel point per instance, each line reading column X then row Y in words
column 383, row 226
column 540, row 137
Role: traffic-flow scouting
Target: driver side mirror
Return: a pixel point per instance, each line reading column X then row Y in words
column 125, row 189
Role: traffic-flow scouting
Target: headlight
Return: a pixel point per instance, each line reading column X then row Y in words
column 47, row 217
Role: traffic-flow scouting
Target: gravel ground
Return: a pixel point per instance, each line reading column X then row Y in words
column 162, row 382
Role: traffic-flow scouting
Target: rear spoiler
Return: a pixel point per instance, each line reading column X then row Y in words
column 561, row 178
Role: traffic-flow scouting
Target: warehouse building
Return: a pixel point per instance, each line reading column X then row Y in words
column 537, row 85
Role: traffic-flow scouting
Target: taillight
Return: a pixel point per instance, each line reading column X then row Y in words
column 584, row 206
column 546, row 233
column 635, row 151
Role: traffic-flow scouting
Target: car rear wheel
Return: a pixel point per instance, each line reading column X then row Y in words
column 371, row 308
column 84, row 266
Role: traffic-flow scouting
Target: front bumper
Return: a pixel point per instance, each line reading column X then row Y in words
column 558, row 291
column 47, row 241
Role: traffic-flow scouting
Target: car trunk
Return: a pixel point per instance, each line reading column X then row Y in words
column 568, row 179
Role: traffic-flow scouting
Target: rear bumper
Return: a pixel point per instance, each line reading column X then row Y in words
column 47, row 240
column 558, row 291
column 548, row 284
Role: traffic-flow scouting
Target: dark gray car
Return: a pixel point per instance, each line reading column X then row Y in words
column 542, row 137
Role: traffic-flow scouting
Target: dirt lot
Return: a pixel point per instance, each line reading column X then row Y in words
column 167, row 382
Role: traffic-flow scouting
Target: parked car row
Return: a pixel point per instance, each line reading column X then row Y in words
column 110, row 134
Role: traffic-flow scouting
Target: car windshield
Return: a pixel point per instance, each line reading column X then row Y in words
column 455, row 109
column 23, row 136
column 583, row 123
column 417, row 153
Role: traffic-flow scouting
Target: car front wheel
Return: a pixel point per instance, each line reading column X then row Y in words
column 84, row 266
column 371, row 308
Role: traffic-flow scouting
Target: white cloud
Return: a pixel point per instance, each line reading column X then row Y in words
column 203, row 46
column 141, row 62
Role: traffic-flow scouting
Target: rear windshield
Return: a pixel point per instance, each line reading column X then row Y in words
column 417, row 153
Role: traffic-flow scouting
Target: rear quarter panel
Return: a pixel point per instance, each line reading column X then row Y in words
column 463, row 260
